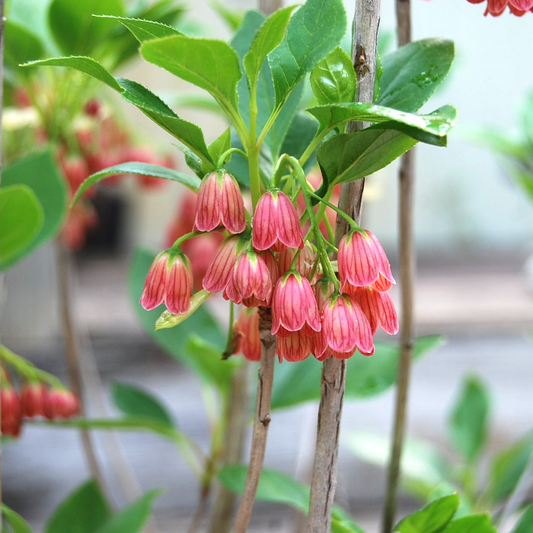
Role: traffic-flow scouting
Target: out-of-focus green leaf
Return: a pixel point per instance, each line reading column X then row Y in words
column 413, row 72
column 144, row 169
column 21, row 45
column 83, row 511
column 333, row 80
column 232, row 18
column 144, row 30
column 507, row 466
column 136, row 402
column 469, row 419
column 525, row 524
column 476, row 523
column 75, row 29
column 40, row 173
column 365, row 377
column 432, row 518
column 15, row 521
column 133, row 517
column 21, row 218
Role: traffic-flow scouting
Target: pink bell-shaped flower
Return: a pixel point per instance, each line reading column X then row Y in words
column 361, row 260
column 251, row 279
column 221, row 268
column 276, row 223
column 32, row 399
column 293, row 348
column 294, row 306
column 11, row 417
column 247, row 327
column 379, row 309
column 220, row 203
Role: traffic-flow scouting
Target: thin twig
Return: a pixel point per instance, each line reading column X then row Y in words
column 73, row 357
column 261, row 420
column 237, row 416
column 200, row 510
column 324, row 481
column 407, row 274
column 2, row 22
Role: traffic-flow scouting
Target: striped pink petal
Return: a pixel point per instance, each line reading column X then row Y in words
column 232, row 205
column 178, row 289
column 154, row 286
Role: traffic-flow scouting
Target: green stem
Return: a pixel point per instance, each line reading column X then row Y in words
column 184, row 238
column 222, row 159
column 230, row 327
column 348, row 218
column 319, row 137
column 269, row 123
column 253, row 150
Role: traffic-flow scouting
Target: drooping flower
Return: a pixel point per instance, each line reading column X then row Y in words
column 61, row 403
column 276, row 224
column 247, row 327
column 294, row 347
column 379, row 309
column 251, row 279
column 361, row 260
column 304, row 262
column 169, row 280
column 11, row 418
column 32, row 399
column 345, row 328
column 497, row 7
column 220, row 202
column 221, row 268
column 294, row 306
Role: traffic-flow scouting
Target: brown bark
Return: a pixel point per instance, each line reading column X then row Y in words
column 407, row 274
column 324, row 481
column 261, row 420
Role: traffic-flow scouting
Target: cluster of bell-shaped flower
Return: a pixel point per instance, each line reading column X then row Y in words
column 268, row 263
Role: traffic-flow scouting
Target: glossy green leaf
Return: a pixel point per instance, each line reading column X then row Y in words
column 150, row 104
column 133, row 517
column 145, row 30
column 169, row 320
column 75, row 29
column 220, row 145
column 143, row 169
column 469, row 419
column 352, row 156
column 507, row 466
column 525, row 524
column 136, row 402
column 83, row 64
column 301, row 132
column 476, row 523
column 21, row 218
column 413, row 72
column 83, row 511
column 313, row 32
column 208, row 64
column 446, row 488
column 365, row 376
column 331, row 116
column 15, row 521
column 432, row 518
column 40, row 173
column 267, row 38
column 423, row 467
column 21, row 45
column 175, row 341
column 333, row 80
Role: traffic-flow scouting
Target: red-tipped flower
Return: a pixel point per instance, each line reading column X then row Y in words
column 221, row 268
column 362, row 259
column 247, row 327
column 220, row 203
column 293, row 348
column 345, row 328
column 11, row 420
column 276, row 223
column 61, row 403
column 294, row 306
column 169, row 280
column 32, row 399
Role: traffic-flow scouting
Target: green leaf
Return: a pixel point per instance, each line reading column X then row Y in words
column 39, row 172
column 83, row 64
column 232, row 18
column 175, row 340
column 469, row 419
column 412, row 73
column 314, row 31
column 267, row 38
column 525, row 524
column 342, row 526
column 145, row 30
column 21, row 218
column 507, row 466
column 331, row 116
column 333, row 80
column 17, row 523
column 133, row 517
column 83, row 511
column 301, row 132
column 136, row 402
column 444, row 489
column 423, row 468
column 352, row 156
column 365, row 377
column 208, row 64
column 144, row 169
column 432, row 518
column 21, row 45
column 220, row 145
column 476, row 523
column 74, row 28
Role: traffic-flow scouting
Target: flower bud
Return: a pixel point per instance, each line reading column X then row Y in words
column 32, row 399
column 247, row 326
column 11, row 419
column 61, row 403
